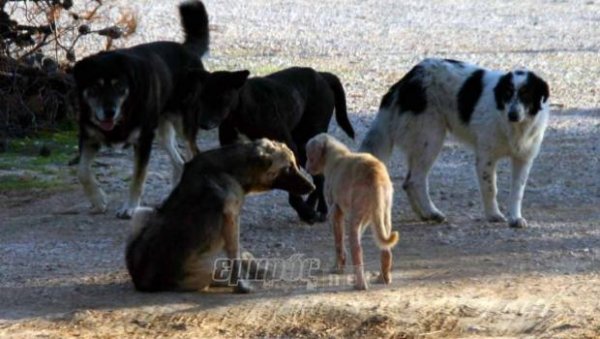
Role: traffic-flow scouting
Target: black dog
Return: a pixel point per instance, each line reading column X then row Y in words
column 290, row 106
column 127, row 94
column 175, row 246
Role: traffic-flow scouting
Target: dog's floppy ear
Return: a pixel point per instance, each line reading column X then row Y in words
column 540, row 91
column 262, row 159
column 313, row 150
column 504, row 90
column 82, row 70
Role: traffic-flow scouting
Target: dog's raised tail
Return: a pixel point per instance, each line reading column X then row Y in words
column 194, row 20
column 341, row 112
column 379, row 140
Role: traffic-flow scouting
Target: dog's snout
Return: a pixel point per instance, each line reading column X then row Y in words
column 293, row 181
column 109, row 112
column 513, row 116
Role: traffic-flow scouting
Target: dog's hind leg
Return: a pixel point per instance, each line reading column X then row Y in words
column 356, row 230
column 95, row 194
column 140, row 219
column 142, row 150
column 337, row 224
column 486, row 174
column 422, row 147
column 520, row 173
column 166, row 132
column 386, row 258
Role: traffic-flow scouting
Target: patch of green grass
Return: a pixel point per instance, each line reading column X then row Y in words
column 13, row 182
column 24, row 167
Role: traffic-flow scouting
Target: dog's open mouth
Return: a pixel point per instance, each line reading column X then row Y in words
column 107, row 125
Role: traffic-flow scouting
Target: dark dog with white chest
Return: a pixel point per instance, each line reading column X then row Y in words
column 499, row 114
column 128, row 94
column 174, row 246
column 290, row 106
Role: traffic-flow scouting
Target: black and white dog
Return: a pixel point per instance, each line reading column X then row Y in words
column 498, row 114
column 127, row 95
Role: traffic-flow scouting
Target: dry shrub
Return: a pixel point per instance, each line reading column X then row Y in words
column 38, row 44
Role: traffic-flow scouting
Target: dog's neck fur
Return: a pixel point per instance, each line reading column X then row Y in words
column 526, row 137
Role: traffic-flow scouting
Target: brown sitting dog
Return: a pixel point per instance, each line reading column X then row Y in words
column 175, row 246
column 356, row 185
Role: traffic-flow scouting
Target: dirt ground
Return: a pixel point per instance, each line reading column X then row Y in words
column 62, row 271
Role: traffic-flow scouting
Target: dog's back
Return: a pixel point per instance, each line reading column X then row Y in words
column 440, row 95
column 168, row 241
column 185, row 229
column 320, row 93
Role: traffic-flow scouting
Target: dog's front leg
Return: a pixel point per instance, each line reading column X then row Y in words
column 168, row 141
column 96, row 196
column 231, row 235
column 142, row 151
column 520, row 173
column 486, row 173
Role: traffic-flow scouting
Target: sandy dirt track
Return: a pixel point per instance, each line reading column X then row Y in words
column 62, row 270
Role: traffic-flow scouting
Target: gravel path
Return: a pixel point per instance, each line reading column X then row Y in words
column 62, row 271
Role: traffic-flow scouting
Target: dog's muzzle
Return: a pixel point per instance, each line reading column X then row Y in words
column 293, row 181
column 513, row 116
column 515, row 112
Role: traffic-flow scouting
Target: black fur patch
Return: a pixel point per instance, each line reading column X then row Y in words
column 469, row 95
column 534, row 92
column 504, row 90
column 410, row 92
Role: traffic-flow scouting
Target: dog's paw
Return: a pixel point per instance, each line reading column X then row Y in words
column 309, row 217
column 361, row 285
column 435, row 217
column 384, row 278
column 242, row 287
column 321, row 217
column 337, row 269
column 99, row 204
column 126, row 212
column 518, row 223
column 98, row 209
column 496, row 217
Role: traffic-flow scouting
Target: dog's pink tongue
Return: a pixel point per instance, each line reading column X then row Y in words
column 107, row 125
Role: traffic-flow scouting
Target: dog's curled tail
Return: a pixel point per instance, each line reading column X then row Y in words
column 194, row 20
column 389, row 242
column 382, row 225
column 341, row 112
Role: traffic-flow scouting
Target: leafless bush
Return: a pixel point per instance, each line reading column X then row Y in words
column 38, row 40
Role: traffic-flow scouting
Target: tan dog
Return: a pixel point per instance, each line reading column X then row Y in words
column 357, row 185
